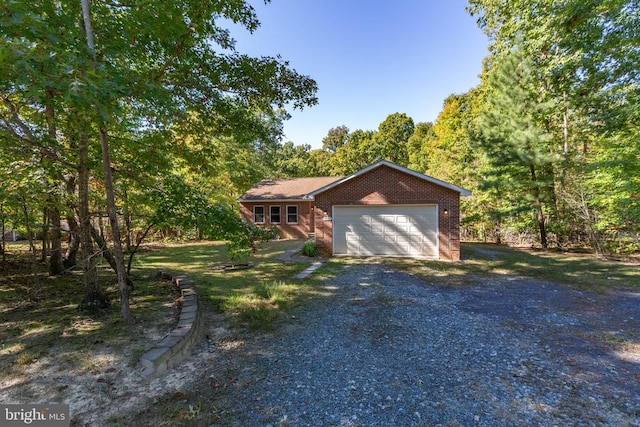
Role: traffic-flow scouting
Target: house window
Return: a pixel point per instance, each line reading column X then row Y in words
column 274, row 214
column 258, row 214
column 292, row 214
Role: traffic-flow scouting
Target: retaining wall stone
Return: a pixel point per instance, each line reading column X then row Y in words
column 185, row 335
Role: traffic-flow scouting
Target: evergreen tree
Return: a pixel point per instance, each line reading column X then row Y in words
column 517, row 147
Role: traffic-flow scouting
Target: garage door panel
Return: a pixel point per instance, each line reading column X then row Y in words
column 389, row 230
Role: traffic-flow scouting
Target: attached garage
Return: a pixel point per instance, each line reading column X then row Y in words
column 386, row 230
column 390, row 211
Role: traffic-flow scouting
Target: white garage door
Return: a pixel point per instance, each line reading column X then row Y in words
column 389, row 230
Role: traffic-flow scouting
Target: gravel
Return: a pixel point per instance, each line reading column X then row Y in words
column 386, row 349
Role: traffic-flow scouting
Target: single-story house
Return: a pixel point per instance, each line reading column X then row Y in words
column 381, row 210
column 10, row 236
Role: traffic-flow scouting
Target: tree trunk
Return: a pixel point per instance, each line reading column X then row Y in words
column 123, row 286
column 93, row 295
column 55, row 261
column 538, row 206
column 3, row 248
column 135, row 249
column 73, row 244
column 45, row 235
column 35, row 292
column 565, row 151
column 123, row 281
column 127, row 223
column 107, row 255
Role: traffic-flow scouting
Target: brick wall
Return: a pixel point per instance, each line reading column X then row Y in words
column 385, row 185
column 300, row 230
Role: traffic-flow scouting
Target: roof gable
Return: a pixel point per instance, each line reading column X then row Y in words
column 337, row 182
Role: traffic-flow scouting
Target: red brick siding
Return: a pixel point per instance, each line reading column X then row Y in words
column 300, row 230
column 385, row 185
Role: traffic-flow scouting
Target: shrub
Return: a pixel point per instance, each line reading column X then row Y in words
column 310, row 249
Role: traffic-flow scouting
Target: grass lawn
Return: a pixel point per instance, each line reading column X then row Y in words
column 256, row 296
column 579, row 271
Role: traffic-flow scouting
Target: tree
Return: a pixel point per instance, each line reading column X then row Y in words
column 418, row 146
column 124, row 285
column 151, row 68
column 392, row 137
column 336, row 138
column 584, row 61
column 319, row 163
column 356, row 154
column 518, row 149
column 292, row 160
column 446, row 150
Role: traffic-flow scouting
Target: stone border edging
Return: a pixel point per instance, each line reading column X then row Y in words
column 184, row 336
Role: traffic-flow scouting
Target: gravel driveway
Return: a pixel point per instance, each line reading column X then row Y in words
column 387, row 350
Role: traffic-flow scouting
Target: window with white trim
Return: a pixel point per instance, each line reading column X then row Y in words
column 258, row 214
column 274, row 214
column 292, row 214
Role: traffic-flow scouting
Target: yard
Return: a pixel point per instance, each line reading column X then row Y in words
column 51, row 352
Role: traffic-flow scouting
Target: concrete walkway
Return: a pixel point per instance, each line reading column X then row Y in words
column 289, row 256
column 307, row 271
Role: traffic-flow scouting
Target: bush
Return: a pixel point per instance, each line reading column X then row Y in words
column 310, row 249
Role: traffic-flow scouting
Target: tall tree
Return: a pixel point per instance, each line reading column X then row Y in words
column 292, row 160
column 124, row 286
column 518, row 148
column 359, row 152
column 392, row 137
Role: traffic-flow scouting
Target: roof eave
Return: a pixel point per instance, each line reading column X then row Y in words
column 302, row 199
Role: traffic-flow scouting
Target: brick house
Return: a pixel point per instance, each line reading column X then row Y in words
column 381, row 210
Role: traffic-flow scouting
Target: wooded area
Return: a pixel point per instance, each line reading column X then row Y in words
column 131, row 120
column 142, row 113
column 548, row 142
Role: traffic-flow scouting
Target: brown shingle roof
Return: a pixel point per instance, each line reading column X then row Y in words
column 286, row 189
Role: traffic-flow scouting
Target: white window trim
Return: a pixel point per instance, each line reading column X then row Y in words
column 263, row 214
column 297, row 214
column 279, row 214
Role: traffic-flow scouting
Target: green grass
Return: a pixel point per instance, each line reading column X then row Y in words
column 576, row 270
column 256, row 296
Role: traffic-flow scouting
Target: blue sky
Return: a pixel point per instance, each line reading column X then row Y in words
column 370, row 58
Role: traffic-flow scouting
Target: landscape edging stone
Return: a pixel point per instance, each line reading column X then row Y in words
column 184, row 336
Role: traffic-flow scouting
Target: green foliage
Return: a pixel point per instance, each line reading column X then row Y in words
column 291, row 161
column 181, row 107
column 516, row 145
column 358, row 153
column 310, row 249
column 246, row 239
column 582, row 60
column 418, row 145
column 392, row 137
column 336, row 138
